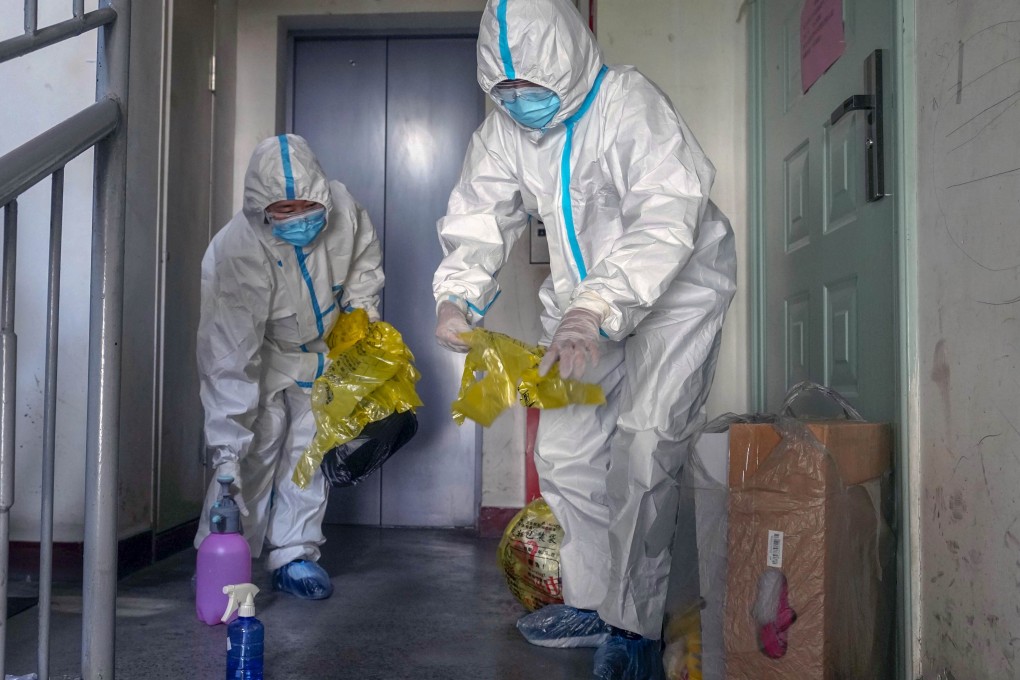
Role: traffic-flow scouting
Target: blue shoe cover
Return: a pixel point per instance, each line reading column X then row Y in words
column 558, row 625
column 623, row 658
column 303, row 579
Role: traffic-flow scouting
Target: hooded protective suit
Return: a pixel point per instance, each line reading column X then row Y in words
column 266, row 307
column 623, row 189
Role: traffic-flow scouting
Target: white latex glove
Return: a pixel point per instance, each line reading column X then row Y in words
column 233, row 469
column 373, row 314
column 575, row 344
column 451, row 321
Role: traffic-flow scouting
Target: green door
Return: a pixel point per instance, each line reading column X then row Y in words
column 828, row 255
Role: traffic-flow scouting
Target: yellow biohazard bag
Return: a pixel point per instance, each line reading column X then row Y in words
column 511, row 374
column 529, row 555
column 370, row 376
column 682, row 656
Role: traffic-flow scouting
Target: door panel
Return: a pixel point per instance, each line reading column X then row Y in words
column 339, row 107
column 430, row 120
column 181, row 474
column 829, row 255
column 391, row 119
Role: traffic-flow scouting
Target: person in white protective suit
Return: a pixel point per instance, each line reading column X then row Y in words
column 643, row 270
column 273, row 282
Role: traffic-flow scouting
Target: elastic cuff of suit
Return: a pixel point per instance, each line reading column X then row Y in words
column 592, row 302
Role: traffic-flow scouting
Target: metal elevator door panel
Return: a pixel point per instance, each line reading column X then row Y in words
column 340, row 108
column 434, row 106
column 391, row 119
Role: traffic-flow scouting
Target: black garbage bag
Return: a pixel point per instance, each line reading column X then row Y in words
column 351, row 463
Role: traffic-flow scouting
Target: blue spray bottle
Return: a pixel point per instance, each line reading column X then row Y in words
column 245, row 635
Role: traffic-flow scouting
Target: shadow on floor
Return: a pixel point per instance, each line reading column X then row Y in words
column 421, row 604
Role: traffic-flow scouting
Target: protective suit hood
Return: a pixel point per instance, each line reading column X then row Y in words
column 544, row 41
column 283, row 168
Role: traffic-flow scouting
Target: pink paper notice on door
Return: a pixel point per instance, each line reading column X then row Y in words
column 821, row 38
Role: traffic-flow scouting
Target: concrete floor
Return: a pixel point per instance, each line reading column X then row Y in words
column 422, row 604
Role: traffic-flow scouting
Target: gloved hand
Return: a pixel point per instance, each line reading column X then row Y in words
column 373, row 314
column 451, row 321
column 231, row 468
column 575, row 344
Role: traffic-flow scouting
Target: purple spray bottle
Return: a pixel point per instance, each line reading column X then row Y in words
column 223, row 557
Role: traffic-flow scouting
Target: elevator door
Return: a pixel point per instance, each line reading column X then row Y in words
column 391, row 118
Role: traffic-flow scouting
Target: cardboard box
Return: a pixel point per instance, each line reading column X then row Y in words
column 824, row 496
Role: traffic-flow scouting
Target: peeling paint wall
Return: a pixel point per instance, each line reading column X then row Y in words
column 968, row 83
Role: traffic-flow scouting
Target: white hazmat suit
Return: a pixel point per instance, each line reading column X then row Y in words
column 623, row 189
column 266, row 307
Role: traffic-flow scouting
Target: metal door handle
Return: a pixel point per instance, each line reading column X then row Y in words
column 871, row 102
column 858, row 102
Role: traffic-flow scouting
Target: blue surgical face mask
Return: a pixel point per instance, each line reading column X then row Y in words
column 300, row 229
column 532, row 107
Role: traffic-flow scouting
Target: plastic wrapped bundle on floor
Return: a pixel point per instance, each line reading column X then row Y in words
column 529, row 555
column 812, row 595
column 803, row 585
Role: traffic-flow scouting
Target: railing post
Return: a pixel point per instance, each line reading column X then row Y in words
column 31, row 16
column 50, row 424
column 100, row 584
column 9, row 383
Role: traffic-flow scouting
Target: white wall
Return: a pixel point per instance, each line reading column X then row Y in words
column 49, row 87
column 694, row 49
column 968, row 282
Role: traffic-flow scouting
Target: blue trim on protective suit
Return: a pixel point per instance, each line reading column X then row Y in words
column 318, row 373
column 568, row 212
column 288, row 171
column 311, row 290
column 318, row 314
column 504, row 42
column 483, row 312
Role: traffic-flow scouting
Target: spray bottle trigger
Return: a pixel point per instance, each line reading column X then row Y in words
column 242, row 594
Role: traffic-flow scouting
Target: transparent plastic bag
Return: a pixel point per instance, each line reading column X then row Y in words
column 529, row 555
column 371, row 375
column 510, row 370
column 811, row 495
column 810, row 550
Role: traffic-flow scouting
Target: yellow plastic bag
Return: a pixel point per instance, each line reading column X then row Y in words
column 371, row 375
column 682, row 656
column 529, row 555
column 511, row 374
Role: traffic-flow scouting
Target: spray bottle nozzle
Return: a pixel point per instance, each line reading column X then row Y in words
column 224, row 481
column 243, row 594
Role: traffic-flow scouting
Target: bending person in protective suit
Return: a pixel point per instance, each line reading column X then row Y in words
column 643, row 270
column 273, row 282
